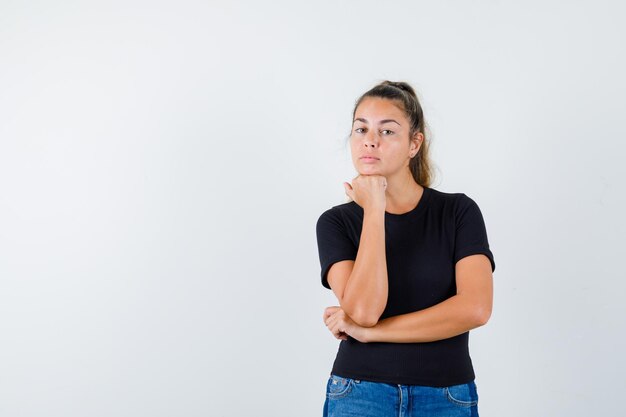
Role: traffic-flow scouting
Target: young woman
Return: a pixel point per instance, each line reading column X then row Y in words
column 411, row 268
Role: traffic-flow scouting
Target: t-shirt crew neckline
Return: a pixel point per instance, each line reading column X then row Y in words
column 421, row 204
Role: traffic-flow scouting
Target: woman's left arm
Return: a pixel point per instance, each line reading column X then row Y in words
column 469, row 308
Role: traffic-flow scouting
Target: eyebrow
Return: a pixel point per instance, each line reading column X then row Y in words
column 381, row 122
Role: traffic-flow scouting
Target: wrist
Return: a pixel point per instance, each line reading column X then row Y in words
column 374, row 211
column 371, row 334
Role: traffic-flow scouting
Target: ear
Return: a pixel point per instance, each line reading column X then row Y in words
column 416, row 143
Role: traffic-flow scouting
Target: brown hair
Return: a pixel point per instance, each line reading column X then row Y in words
column 402, row 93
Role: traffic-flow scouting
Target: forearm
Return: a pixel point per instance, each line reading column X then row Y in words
column 365, row 294
column 456, row 315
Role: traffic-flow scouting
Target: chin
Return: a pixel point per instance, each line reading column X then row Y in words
column 369, row 171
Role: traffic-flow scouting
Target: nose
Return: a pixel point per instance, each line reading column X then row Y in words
column 371, row 140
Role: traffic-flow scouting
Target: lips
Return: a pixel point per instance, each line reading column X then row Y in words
column 369, row 160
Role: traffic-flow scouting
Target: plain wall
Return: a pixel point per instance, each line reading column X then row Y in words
column 163, row 166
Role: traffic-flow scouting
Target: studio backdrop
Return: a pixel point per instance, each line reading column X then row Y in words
column 163, row 165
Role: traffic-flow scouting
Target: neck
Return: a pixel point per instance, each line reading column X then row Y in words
column 402, row 193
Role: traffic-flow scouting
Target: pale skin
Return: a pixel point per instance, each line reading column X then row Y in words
column 385, row 184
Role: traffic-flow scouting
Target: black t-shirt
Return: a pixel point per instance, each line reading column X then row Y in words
column 422, row 247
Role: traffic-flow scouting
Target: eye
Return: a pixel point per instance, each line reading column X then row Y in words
column 387, row 130
column 357, row 129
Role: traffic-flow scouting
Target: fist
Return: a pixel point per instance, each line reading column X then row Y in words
column 368, row 191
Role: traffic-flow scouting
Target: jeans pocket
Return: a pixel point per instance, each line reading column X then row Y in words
column 464, row 395
column 338, row 386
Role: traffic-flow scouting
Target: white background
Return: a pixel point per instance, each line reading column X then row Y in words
column 163, row 165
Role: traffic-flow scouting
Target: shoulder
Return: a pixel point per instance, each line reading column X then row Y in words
column 455, row 206
column 451, row 201
column 339, row 213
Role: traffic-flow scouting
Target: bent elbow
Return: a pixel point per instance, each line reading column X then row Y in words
column 482, row 316
column 364, row 319
column 366, row 322
column 361, row 314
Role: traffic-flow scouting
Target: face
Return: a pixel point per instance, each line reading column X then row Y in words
column 380, row 138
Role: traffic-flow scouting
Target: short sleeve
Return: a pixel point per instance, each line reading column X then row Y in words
column 471, row 233
column 333, row 242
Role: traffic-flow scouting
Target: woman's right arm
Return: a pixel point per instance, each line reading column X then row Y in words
column 361, row 286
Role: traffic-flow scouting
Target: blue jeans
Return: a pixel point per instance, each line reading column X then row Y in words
column 357, row 397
